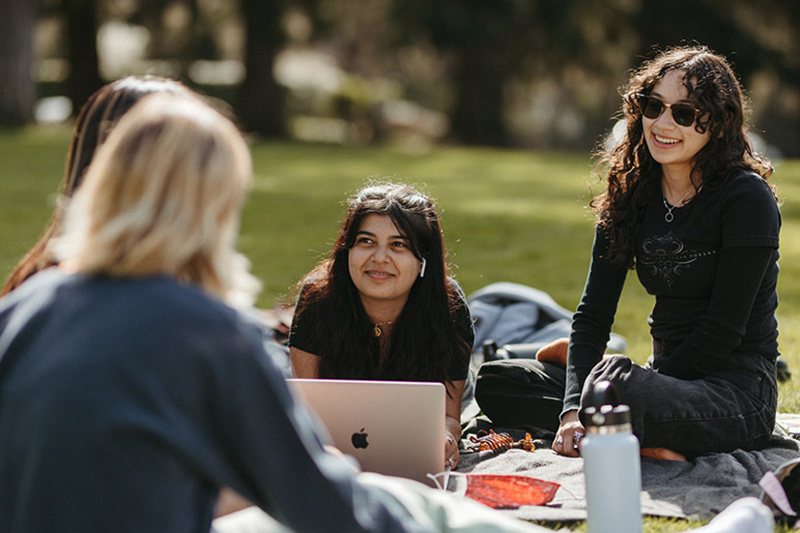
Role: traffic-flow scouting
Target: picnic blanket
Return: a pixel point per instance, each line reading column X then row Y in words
column 698, row 489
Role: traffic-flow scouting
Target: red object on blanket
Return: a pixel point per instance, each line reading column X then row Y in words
column 498, row 491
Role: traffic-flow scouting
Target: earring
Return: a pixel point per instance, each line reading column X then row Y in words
column 422, row 270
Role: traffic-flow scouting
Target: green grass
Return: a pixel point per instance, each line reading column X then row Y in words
column 507, row 215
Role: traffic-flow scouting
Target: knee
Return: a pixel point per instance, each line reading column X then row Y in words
column 612, row 368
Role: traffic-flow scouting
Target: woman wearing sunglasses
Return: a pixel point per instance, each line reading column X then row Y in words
column 687, row 205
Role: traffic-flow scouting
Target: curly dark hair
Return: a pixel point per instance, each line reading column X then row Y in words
column 425, row 344
column 631, row 173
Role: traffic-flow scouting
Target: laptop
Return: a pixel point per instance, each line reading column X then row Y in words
column 390, row 427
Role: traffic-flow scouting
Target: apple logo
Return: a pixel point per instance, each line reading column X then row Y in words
column 359, row 439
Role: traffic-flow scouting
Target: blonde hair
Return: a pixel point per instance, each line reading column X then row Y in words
column 163, row 197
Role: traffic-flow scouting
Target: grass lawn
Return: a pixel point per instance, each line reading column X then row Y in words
column 508, row 216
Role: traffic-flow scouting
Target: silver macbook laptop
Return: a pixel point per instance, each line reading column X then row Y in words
column 390, row 427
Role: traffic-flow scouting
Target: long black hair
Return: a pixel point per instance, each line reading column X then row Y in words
column 425, row 343
column 632, row 175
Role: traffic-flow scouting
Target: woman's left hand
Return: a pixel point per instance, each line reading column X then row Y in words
column 451, row 454
column 569, row 434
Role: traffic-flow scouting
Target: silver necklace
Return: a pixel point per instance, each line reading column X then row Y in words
column 668, row 216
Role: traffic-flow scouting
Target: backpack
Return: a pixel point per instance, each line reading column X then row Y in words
column 514, row 321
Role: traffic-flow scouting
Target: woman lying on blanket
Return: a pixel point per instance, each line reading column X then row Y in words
column 688, row 206
column 95, row 121
column 383, row 305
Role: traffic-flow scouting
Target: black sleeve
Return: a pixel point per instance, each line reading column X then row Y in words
column 750, row 214
column 591, row 324
column 465, row 329
column 302, row 335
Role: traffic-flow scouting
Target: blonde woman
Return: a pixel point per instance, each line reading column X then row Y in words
column 130, row 388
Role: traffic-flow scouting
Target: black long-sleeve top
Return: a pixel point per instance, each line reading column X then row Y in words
column 713, row 271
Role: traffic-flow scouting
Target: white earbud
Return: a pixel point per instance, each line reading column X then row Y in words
column 422, row 270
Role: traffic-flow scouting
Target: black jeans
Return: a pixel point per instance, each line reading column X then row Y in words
column 733, row 408
column 522, row 393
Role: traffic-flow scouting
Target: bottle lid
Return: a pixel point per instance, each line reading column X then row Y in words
column 604, row 393
column 608, row 415
column 605, row 412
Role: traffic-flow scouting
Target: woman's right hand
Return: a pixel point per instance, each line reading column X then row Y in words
column 569, row 434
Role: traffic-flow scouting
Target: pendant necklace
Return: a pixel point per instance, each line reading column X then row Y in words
column 669, row 217
column 376, row 329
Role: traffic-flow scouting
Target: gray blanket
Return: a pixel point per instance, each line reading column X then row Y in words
column 698, row 489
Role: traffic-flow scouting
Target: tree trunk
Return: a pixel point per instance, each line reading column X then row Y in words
column 478, row 115
column 261, row 99
column 17, row 88
column 81, row 35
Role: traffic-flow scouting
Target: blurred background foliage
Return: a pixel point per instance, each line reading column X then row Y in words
column 536, row 74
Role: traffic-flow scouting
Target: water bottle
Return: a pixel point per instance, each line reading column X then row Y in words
column 611, row 465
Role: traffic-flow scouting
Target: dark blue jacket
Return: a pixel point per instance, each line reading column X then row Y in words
column 126, row 404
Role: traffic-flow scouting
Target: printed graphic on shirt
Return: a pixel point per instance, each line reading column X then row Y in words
column 667, row 257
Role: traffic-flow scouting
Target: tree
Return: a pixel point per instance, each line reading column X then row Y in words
column 495, row 43
column 482, row 37
column 17, row 88
column 180, row 31
column 261, row 99
column 81, row 36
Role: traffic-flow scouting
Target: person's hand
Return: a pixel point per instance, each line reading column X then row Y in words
column 451, row 454
column 351, row 461
column 569, row 434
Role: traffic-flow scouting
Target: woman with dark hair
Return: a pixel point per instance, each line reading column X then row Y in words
column 96, row 119
column 383, row 305
column 687, row 205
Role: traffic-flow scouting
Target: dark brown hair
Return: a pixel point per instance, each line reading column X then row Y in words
column 631, row 173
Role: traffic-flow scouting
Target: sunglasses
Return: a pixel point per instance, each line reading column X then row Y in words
column 651, row 107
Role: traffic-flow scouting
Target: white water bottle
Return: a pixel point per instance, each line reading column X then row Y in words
column 611, row 466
